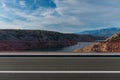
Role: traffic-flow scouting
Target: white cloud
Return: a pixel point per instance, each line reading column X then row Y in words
column 93, row 13
column 22, row 3
column 43, row 17
column 72, row 15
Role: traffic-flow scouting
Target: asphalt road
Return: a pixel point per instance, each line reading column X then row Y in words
column 59, row 64
column 59, row 76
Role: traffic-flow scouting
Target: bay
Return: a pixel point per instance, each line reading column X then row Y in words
column 66, row 49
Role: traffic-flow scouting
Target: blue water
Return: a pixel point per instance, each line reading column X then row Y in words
column 66, row 49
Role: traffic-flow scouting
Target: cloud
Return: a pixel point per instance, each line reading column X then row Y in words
column 93, row 13
column 40, row 18
column 59, row 15
column 22, row 3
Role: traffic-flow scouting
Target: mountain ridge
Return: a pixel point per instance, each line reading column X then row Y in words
column 106, row 32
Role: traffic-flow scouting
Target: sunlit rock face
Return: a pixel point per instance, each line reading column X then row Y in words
column 111, row 44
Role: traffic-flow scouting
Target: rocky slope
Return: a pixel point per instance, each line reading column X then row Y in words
column 111, row 44
column 20, row 40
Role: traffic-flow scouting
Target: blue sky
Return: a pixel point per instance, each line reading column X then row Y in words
column 59, row 15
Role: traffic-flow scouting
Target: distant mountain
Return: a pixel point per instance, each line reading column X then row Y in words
column 101, row 32
column 20, row 40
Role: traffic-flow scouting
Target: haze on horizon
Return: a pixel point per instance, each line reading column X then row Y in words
column 59, row 15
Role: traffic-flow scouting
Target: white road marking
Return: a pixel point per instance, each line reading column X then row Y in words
column 73, row 72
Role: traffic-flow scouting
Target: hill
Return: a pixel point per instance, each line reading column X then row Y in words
column 18, row 40
column 107, row 32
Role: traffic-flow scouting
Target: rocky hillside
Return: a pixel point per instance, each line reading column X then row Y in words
column 19, row 40
column 114, row 38
column 111, row 44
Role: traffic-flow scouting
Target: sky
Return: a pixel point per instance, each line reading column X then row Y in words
column 67, row 16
